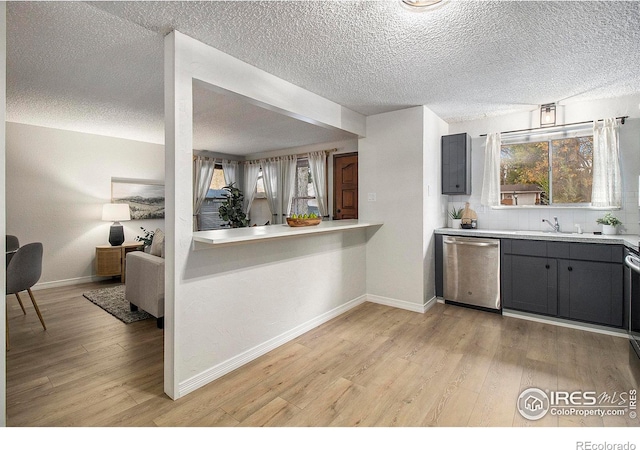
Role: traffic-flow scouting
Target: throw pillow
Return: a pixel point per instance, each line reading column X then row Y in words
column 157, row 244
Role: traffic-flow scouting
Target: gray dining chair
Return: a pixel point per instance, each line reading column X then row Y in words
column 23, row 272
column 13, row 244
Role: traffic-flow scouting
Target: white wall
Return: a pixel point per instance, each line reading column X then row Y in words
column 531, row 219
column 56, row 184
column 397, row 160
column 434, row 204
column 226, row 306
column 238, row 302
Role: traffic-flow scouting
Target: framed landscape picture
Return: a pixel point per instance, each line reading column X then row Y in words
column 144, row 197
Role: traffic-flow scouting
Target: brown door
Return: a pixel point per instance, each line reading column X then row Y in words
column 345, row 186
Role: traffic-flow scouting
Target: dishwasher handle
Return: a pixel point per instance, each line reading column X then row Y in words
column 632, row 262
column 473, row 244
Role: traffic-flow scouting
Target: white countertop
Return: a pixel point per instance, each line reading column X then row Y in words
column 249, row 234
column 628, row 240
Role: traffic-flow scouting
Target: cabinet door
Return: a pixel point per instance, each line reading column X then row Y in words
column 591, row 291
column 108, row 261
column 530, row 284
column 455, row 164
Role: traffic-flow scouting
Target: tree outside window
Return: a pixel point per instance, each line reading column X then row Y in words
column 553, row 171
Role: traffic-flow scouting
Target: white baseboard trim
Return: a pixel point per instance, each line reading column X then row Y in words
column 402, row 304
column 430, row 303
column 231, row 364
column 68, row 282
column 565, row 323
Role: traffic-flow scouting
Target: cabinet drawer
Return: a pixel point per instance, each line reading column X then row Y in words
column 596, row 252
column 528, row 248
column 565, row 250
column 558, row 249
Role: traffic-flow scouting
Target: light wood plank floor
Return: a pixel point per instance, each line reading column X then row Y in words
column 372, row 366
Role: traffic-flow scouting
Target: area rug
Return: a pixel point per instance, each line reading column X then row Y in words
column 112, row 301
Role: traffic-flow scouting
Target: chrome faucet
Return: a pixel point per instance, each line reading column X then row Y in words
column 555, row 226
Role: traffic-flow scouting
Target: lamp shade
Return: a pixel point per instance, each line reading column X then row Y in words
column 115, row 212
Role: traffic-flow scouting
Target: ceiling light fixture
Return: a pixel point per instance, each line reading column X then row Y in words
column 421, row 5
column 548, row 115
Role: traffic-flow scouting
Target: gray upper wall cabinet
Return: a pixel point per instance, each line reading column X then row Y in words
column 456, row 164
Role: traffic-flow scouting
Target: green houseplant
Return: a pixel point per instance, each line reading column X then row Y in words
column 609, row 223
column 146, row 238
column 231, row 209
column 456, row 216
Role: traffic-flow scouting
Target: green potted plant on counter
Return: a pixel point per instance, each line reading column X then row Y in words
column 609, row 224
column 456, row 217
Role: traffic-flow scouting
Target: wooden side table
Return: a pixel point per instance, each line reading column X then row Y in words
column 110, row 259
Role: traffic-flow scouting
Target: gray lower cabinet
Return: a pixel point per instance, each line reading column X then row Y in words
column 439, row 267
column 591, row 291
column 569, row 280
column 530, row 283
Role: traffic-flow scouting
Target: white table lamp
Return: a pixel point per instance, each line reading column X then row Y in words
column 116, row 212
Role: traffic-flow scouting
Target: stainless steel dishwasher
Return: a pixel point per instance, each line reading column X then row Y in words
column 472, row 271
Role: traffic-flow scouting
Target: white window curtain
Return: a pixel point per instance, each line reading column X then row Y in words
column 270, row 180
column 491, row 181
column 606, row 189
column 203, row 169
column 318, row 167
column 288, row 170
column 230, row 169
column 251, row 173
column 279, row 176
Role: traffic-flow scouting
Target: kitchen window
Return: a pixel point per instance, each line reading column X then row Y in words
column 547, row 170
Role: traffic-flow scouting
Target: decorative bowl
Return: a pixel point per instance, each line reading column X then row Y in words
column 303, row 222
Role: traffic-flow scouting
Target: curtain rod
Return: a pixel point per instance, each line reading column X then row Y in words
column 216, row 159
column 328, row 152
column 621, row 118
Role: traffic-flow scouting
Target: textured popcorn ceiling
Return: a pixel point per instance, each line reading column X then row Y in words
column 97, row 66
